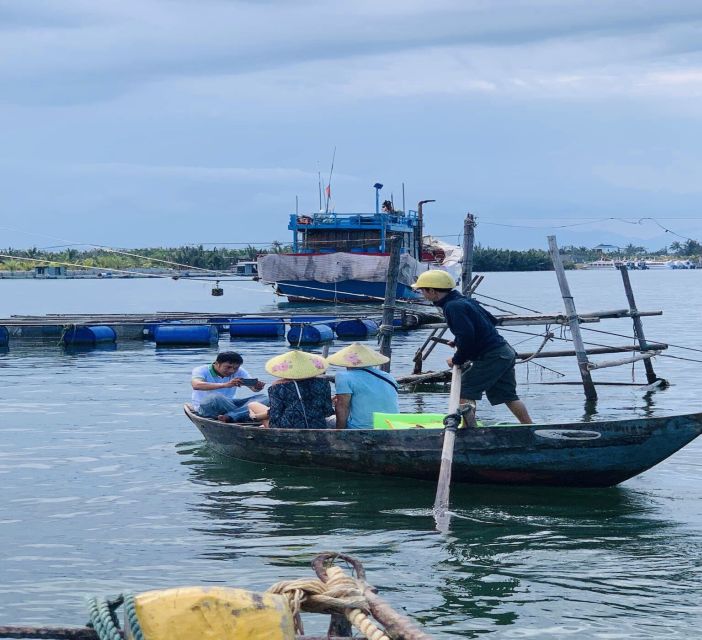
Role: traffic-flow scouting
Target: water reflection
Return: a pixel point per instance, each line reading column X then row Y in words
column 77, row 349
column 510, row 549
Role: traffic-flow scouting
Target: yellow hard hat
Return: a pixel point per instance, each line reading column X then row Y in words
column 434, row 279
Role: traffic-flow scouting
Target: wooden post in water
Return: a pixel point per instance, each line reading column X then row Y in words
column 573, row 322
column 387, row 328
column 467, row 267
column 638, row 325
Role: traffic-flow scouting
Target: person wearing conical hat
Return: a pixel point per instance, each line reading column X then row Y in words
column 476, row 340
column 299, row 399
column 362, row 388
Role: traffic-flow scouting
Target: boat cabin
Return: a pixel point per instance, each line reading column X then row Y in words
column 354, row 232
column 246, row 268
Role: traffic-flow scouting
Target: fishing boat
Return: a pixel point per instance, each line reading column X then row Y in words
column 592, row 454
column 343, row 257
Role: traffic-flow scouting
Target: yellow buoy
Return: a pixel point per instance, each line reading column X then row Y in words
column 212, row 613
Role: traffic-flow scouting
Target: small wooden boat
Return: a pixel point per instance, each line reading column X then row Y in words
column 592, row 454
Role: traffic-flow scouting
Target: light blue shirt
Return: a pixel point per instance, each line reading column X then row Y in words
column 207, row 373
column 368, row 394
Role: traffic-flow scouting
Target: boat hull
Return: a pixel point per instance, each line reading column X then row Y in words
column 597, row 454
column 345, row 291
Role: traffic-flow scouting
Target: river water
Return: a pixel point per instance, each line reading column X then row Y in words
column 107, row 487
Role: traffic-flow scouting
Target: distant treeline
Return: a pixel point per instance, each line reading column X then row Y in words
column 216, row 259
column 222, row 259
column 488, row 259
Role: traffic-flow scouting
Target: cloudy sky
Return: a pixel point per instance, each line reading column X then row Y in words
column 163, row 122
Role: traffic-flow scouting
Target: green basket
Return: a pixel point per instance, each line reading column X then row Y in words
column 419, row 421
column 408, row 420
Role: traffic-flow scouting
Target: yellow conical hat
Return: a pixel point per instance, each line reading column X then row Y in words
column 357, row 355
column 296, row 365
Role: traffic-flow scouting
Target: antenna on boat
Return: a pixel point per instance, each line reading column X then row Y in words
column 377, row 186
column 297, row 207
column 403, row 198
column 319, row 184
column 327, row 192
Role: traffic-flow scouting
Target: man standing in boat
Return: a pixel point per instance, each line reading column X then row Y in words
column 476, row 341
column 214, row 389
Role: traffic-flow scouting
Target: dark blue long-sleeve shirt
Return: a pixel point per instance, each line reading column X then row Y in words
column 474, row 332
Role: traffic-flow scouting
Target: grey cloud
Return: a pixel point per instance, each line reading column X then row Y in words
column 125, row 45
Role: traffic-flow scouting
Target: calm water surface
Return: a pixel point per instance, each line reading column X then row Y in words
column 107, row 487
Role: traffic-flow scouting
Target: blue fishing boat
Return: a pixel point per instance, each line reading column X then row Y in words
column 343, row 257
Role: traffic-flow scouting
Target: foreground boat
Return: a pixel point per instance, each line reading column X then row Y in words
column 593, row 454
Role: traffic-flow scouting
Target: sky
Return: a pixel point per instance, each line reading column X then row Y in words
column 137, row 123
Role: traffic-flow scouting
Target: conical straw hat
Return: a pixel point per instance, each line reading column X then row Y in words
column 357, row 355
column 296, row 365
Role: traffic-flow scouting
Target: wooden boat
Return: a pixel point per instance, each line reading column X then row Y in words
column 592, row 454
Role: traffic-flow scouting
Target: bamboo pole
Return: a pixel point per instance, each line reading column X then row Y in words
column 467, row 265
column 616, row 363
column 441, row 502
column 386, row 328
column 638, row 325
column 573, row 321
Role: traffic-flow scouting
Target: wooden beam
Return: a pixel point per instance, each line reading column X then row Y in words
column 591, row 352
column 467, row 263
column 638, row 325
column 386, row 328
column 616, row 363
column 573, row 321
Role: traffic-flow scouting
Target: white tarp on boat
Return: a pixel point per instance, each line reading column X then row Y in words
column 453, row 255
column 334, row 267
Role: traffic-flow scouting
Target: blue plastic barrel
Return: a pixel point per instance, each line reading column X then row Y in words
column 256, row 328
column 4, row 337
column 149, row 329
column 186, row 334
column 89, row 336
column 328, row 320
column 310, row 334
column 357, row 328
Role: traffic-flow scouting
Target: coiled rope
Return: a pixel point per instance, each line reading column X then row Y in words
column 340, row 594
column 103, row 617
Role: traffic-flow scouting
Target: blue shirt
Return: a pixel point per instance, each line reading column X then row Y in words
column 368, row 394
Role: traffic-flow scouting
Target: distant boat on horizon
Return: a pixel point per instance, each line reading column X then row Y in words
column 642, row 265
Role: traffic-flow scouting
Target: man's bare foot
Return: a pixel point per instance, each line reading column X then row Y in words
column 224, row 418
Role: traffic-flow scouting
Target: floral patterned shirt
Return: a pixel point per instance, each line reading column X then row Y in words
column 286, row 410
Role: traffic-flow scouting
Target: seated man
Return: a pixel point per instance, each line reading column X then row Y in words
column 214, row 389
column 362, row 388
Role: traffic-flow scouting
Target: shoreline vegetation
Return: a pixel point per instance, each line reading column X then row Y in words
column 194, row 260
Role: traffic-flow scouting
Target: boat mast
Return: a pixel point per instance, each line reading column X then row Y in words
column 420, row 226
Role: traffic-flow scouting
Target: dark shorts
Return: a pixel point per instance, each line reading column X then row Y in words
column 492, row 373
